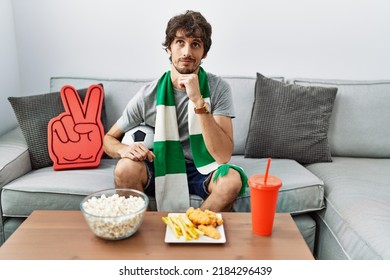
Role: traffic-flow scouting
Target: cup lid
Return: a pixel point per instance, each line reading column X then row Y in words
column 257, row 181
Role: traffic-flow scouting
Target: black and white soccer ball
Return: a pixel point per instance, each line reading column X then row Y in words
column 142, row 133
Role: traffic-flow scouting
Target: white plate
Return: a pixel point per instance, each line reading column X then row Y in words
column 171, row 238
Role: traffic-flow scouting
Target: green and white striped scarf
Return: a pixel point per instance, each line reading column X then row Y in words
column 172, row 192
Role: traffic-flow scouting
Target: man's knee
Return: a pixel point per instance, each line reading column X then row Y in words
column 231, row 183
column 122, row 168
column 129, row 172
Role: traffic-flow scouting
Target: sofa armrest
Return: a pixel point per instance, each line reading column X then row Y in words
column 14, row 162
column 14, row 159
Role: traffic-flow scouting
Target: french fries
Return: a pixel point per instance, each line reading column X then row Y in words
column 182, row 226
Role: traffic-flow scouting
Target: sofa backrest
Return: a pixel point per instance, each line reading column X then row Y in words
column 243, row 91
column 119, row 92
column 360, row 121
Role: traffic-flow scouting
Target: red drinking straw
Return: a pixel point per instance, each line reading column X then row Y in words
column 266, row 171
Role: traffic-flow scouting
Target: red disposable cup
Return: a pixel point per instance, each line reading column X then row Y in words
column 264, row 198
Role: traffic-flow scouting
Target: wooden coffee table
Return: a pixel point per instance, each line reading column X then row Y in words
column 59, row 235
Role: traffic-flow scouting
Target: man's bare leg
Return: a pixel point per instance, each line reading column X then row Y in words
column 223, row 192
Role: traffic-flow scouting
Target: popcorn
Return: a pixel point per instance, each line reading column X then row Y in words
column 114, row 217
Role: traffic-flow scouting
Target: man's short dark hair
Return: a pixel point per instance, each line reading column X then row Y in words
column 193, row 24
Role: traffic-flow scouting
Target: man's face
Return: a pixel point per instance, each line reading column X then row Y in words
column 186, row 53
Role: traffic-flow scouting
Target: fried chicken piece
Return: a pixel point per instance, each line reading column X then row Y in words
column 214, row 219
column 206, row 221
column 207, row 217
column 198, row 217
column 210, row 231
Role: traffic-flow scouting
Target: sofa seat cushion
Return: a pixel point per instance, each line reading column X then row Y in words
column 357, row 196
column 307, row 226
column 301, row 191
column 47, row 189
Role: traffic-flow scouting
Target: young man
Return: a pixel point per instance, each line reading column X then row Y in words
column 191, row 112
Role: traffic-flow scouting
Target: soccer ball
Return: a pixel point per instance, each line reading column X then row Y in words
column 142, row 133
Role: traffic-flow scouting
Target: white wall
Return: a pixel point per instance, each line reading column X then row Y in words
column 122, row 38
column 9, row 72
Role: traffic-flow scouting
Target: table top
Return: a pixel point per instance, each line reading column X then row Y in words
column 64, row 235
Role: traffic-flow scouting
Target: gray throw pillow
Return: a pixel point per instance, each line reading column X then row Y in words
column 33, row 114
column 290, row 121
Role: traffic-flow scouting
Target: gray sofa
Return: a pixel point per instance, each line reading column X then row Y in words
column 341, row 207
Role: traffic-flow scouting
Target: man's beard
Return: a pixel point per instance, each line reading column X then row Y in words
column 186, row 70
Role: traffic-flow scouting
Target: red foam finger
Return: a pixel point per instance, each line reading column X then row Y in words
column 93, row 103
column 72, row 103
column 76, row 136
column 56, row 134
column 69, row 127
column 58, row 130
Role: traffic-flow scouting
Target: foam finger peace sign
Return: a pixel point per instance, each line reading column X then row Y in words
column 87, row 112
column 76, row 135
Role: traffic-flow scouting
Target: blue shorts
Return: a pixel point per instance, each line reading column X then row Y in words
column 197, row 183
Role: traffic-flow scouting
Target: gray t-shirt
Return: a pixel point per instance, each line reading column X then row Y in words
column 141, row 109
